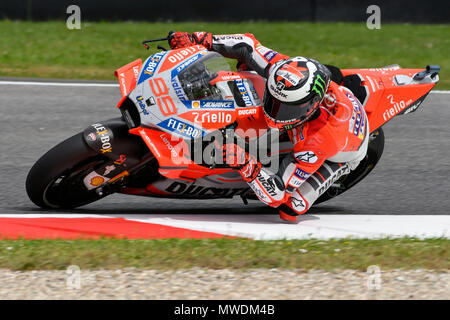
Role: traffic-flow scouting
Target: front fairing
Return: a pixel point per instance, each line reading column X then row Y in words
column 186, row 94
column 174, row 93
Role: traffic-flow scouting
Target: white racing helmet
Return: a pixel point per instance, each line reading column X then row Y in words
column 295, row 89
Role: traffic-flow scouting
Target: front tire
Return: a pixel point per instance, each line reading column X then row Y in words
column 56, row 179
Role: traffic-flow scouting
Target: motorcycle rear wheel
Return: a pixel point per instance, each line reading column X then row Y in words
column 374, row 152
column 56, row 179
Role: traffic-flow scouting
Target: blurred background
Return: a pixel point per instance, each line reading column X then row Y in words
column 43, row 39
column 412, row 11
column 36, row 41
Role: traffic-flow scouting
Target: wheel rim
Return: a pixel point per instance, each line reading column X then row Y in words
column 68, row 189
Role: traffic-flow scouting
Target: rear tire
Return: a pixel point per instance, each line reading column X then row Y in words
column 374, row 152
column 56, row 179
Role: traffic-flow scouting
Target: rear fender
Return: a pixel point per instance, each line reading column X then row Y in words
column 392, row 91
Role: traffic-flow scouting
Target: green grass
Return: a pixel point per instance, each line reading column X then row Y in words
column 406, row 253
column 49, row 49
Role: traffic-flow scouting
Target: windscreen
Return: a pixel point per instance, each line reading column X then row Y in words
column 196, row 78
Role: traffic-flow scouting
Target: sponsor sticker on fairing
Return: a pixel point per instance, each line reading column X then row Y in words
column 151, row 65
column 247, row 111
column 211, row 104
column 169, row 146
column 142, row 106
column 105, row 136
column 230, row 77
column 187, row 63
column 91, row 136
column 182, row 128
column 244, row 92
column 178, row 89
column 256, row 99
column 199, row 191
column 93, row 180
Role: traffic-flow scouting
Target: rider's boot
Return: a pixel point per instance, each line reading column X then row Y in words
column 304, row 197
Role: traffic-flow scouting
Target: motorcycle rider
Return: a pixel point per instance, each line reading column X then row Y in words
column 326, row 123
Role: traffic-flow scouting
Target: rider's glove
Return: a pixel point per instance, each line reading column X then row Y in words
column 236, row 157
column 178, row 40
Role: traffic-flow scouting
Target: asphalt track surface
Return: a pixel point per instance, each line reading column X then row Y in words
column 412, row 176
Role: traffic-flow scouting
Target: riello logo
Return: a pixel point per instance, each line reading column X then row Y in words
column 212, row 117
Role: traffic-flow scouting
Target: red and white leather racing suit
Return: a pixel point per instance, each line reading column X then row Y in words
column 325, row 148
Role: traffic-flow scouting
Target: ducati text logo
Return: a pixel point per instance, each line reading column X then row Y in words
column 268, row 185
column 336, row 175
column 306, row 156
column 197, row 191
column 247, row 112
column 230, row 77
column 228, row 37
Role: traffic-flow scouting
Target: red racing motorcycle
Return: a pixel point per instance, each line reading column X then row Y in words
column 171, row 106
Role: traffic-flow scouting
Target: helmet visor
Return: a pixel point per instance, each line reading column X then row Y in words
column 281, row 112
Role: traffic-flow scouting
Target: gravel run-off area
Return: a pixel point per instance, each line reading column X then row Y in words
column 224, row 284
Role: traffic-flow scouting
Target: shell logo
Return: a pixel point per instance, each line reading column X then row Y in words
column 96, row 181
column 195, row 104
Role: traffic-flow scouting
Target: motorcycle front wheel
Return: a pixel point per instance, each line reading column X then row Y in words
column 56, row 179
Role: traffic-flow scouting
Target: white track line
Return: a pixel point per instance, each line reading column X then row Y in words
column 52, row 215
column 59, row 84
column 76, row 84
column 441, row 91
